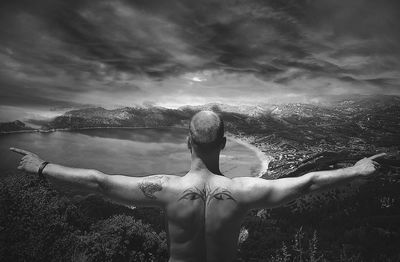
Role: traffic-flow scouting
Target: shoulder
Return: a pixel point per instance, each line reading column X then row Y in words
column 251, row 189
column 161, row 187
column 240, row 184
column 169, row 183
column 249, row 183
column 165, row 181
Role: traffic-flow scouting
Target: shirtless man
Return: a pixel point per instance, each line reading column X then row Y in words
column 204, row 209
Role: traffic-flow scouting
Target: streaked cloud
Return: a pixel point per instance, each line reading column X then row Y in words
column 67, row 54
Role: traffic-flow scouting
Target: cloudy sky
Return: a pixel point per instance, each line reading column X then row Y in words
column 61, row 54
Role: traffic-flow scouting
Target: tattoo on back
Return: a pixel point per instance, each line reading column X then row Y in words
column 151, row 185
column 206, row 194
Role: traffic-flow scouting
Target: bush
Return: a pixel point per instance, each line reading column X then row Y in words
column 302, row 249
column 38, row 223
column 122, row 238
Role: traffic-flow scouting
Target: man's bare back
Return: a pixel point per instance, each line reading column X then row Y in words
column 204, row 216
column 204, row 209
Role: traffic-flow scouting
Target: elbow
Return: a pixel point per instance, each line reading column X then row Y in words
column 98, row 181
column 308, row 184
column 312, row 184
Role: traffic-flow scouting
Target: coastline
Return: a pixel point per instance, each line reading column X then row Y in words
column 19, row 131
column 263, row 158
column 83, row 128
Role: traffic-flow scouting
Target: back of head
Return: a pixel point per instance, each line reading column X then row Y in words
column 206, row 131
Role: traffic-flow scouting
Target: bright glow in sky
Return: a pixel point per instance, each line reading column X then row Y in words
column 58, row 55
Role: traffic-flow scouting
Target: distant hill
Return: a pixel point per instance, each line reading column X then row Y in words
column 362, row 116
column 127, row 117
column 359, row 123
column 13, row 126
column 249, row 110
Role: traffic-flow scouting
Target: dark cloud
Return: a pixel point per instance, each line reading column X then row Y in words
column 178, row 52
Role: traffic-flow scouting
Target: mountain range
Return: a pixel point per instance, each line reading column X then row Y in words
column 287, row 132
column 351, row 122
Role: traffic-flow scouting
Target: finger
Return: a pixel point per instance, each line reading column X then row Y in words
column 20, row 151
column 377, row 156
column 376, row 164
column 19, row 167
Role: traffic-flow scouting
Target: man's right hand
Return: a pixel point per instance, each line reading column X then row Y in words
column 367, row 166
column 30, row 162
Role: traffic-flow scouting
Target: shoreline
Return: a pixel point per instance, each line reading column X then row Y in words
column 19, row 131
column 82, row 128
column 262, row 157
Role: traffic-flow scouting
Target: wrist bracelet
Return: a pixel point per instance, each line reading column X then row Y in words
column 42, row 166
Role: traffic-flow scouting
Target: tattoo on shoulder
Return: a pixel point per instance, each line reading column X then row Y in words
column 150, row 185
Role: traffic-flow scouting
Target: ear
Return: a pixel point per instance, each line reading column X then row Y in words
column 223, row 143
column 189, row 143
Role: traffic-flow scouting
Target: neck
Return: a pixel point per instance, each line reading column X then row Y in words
column 209, row 161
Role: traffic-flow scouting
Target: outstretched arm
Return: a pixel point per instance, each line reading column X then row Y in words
column 257, row 192
column 149, row 190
